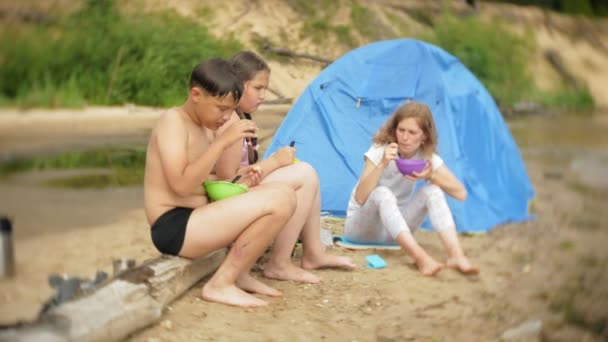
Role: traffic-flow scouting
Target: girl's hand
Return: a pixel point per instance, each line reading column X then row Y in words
column 425, row 174
column 238, row 131
column 390, row 153
column 252, row 175
column 285, row 156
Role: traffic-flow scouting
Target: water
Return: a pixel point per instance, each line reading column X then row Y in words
column 574, row 143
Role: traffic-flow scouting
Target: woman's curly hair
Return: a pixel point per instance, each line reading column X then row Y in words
column 424, row 118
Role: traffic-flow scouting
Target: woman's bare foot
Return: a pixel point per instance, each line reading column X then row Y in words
column 288, row 271
column 250, row 284
column 327, row 261
column 230, row 295
column 428, row 266
column 463, row 265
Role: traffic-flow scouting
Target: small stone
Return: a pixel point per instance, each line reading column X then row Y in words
column 167, row 324
column 527, row 268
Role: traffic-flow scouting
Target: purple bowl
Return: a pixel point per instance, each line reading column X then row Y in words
column 407, row 166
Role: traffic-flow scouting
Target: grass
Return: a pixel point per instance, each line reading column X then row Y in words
column 366, row 23
column 126, row 166
column 482, row 48
column 98, row 55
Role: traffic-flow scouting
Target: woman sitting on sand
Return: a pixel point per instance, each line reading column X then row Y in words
column 242, row 158
column 382, row 207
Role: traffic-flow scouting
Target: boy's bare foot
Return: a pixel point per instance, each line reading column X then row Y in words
column 327, row 261
column 250, row 284
column 230, row 295
column 463, row 265
column 428, row 266
column 289, row 271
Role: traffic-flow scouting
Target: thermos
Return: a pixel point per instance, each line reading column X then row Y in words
column 7, row 262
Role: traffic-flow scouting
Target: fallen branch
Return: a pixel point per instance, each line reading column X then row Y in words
column 286, row 100
column 130, row 301
column 288, row 53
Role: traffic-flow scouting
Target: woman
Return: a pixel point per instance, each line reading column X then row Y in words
column 243, row 159
column 382, row 207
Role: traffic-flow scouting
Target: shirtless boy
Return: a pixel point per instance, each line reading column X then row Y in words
column 182, row 152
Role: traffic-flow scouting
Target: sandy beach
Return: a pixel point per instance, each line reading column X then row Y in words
column 550, row 269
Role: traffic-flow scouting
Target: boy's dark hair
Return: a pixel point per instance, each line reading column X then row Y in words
column 218, row 78
column 247, row 64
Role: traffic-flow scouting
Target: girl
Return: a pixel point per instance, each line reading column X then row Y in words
column 381, row 206
column 243, row 159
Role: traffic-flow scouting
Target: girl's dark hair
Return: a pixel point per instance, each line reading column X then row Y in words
column 218, row 78
column 247, row 64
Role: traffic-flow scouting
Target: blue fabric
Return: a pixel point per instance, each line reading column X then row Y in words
column 333, row 121
column 375, row 261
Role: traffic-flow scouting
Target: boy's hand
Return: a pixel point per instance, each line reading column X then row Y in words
column 425, row 174
column 285, row 156
column 238, row 131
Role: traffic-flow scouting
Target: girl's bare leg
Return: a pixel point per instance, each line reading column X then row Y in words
column 251, row 221
column 305, row 223
column 314, row 256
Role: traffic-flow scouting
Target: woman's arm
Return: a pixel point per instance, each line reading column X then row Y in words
column 371, row 173
column 369, row 180
column 443, row 178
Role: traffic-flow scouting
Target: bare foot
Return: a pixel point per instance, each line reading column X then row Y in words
column 289, row 271
column 230, row 295
column 463, row 265
column 250, row 284
column 428, row 266
column 327, row 261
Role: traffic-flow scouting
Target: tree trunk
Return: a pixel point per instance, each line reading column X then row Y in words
column 130, row 301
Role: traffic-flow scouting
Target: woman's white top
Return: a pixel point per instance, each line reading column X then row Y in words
column 391, row 178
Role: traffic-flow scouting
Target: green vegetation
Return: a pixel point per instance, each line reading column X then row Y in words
column 317, row 25
column 99, row 55
column 484, row 47
column 364, row 20
column 583, row 7
column 126, row 166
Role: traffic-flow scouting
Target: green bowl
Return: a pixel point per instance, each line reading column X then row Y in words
column 219, row 190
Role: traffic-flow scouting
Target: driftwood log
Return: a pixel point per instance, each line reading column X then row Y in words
column 127, row 303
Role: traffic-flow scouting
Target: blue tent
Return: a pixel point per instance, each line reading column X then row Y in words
column 336, row 116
